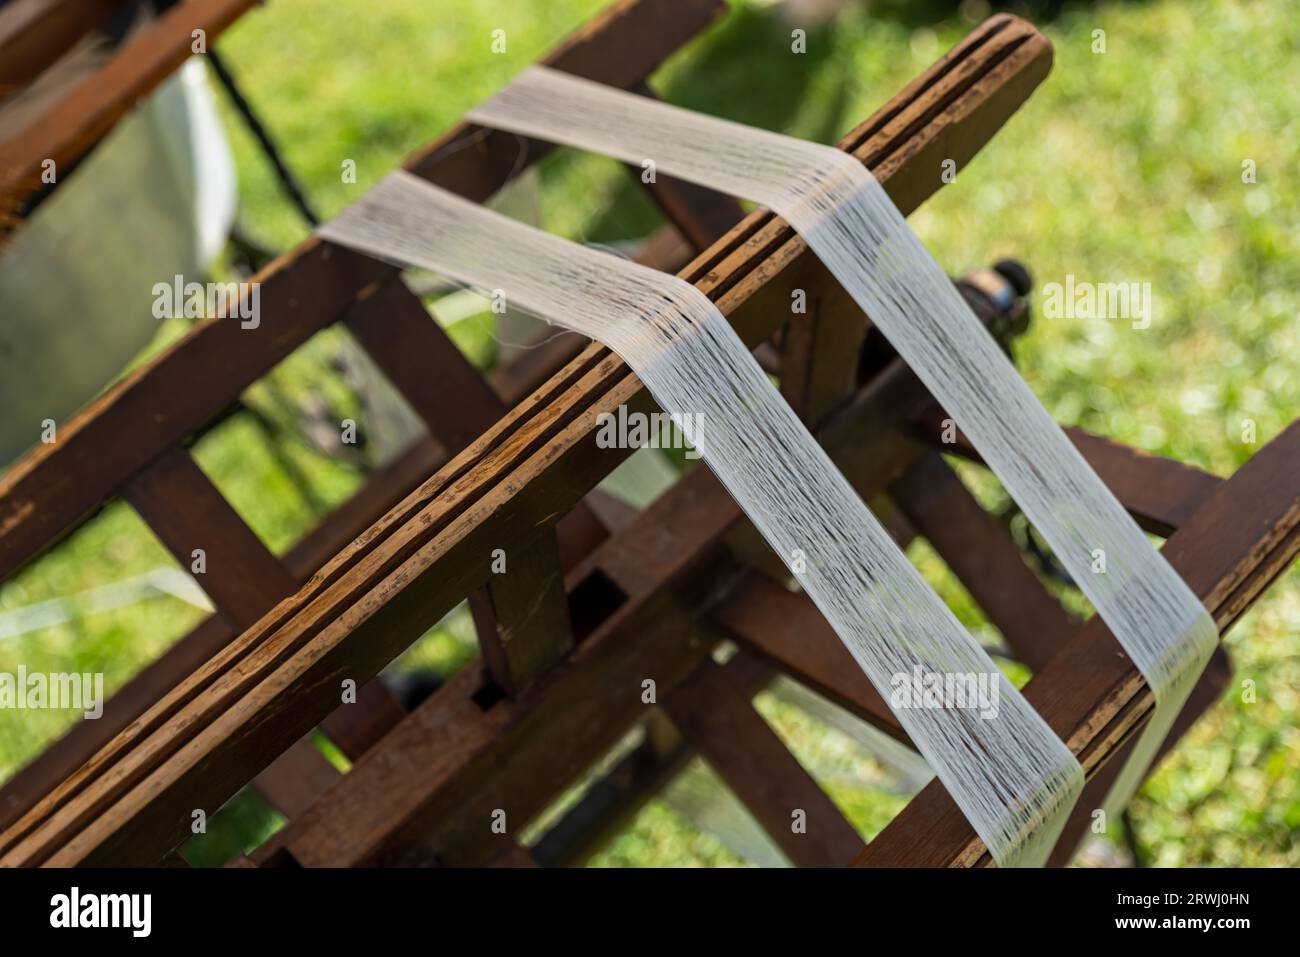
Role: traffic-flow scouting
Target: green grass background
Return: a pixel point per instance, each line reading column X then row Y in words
column 1123, row 166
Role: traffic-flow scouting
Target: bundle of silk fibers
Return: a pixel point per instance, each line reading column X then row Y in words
column 848, row 220
column 1012, row 777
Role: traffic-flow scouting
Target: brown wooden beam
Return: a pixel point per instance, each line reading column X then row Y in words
column 52, row 489
column 714, row 714
column 979, row 551
column 185, row 510
column 1233, row 546
column 517, row 755
column 1160, row 493
column 785, row 629
column 36, row 33
column 1217, row 675
column 88, row 112
column 297, row 778
column 352, row 729
column 244, row 580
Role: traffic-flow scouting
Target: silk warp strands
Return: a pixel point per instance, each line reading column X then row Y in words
column 848, row 220
column 1013, row 778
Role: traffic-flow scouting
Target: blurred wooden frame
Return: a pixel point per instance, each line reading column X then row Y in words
column 597, row 598
column 36, row 33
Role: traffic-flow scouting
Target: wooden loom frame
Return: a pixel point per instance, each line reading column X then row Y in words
column 36, row 33
column 596, row 600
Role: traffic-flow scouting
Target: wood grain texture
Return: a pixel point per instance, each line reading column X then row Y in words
column 1240, row 539
column 521, row 753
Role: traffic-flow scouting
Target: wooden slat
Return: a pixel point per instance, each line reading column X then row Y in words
column 430, row 371
column 1090, row 693
column 521, row 777
column 35, row 33
column 613, row 799
column 1208, row 689
column 42, row 497
column 42, row 775
column 820, row 347
column 520, row 616
column 54, row 486
column 86, row 114
column 785, row 629
column 409, row 801
column 1160, row 493
column 297, row 778
column 720, row 722
column 462, row 510
column 185, row 510
column 341, row 526
column 979, row 550
column 353, row 730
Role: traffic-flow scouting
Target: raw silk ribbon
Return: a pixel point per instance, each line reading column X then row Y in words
column 1010, row 774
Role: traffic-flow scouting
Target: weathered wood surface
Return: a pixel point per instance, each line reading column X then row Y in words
column 351, row 729
column 473, row 693
column 243, row 579
column 521, row 617
column 1217, row 675
column 1240, row 539
column 517, row 755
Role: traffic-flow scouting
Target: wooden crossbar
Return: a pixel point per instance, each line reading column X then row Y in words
column 87, row 113
column 1090, row 693
column 35, row 33
column 520, row 755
